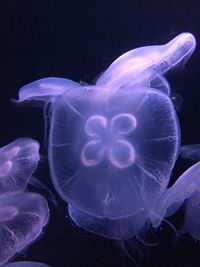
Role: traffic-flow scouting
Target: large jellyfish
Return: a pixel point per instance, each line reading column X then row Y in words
column 112, row 146
column 22, row 218
column 18, row 161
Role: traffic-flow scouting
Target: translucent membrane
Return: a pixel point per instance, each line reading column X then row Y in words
column 23, row 216
column 18, row 161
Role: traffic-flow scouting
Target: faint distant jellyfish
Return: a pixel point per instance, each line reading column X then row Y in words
column 18, row 161
column 186, row 188
column 26, row 264
column 191, row 152
column 22, row 218
column 112, row 146
column 191, row 223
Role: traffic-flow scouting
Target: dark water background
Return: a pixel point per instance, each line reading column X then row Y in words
column 78, row 40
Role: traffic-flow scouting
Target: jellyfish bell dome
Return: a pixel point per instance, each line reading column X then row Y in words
column 18, row 161
column 110, row 154
column 22, row 218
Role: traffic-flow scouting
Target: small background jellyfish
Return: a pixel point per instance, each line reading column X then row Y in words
column 23, row 216
column 18, row 161
column 76, row 40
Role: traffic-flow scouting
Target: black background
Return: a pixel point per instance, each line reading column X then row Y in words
column 78, row 40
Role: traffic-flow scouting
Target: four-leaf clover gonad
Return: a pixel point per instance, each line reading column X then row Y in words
column 108, row 139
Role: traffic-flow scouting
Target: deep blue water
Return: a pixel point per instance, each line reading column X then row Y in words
column 78, row 40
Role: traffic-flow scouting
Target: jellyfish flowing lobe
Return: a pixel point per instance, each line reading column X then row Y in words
column 44, row 89
column 136, row 68
column 141, row 65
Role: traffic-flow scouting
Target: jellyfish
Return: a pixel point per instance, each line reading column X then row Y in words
column 191, row 223
column 185, row 189
column 26, row 264
column 22, row 219
column 112, row 145
column 18, row 161
column 191, row 152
